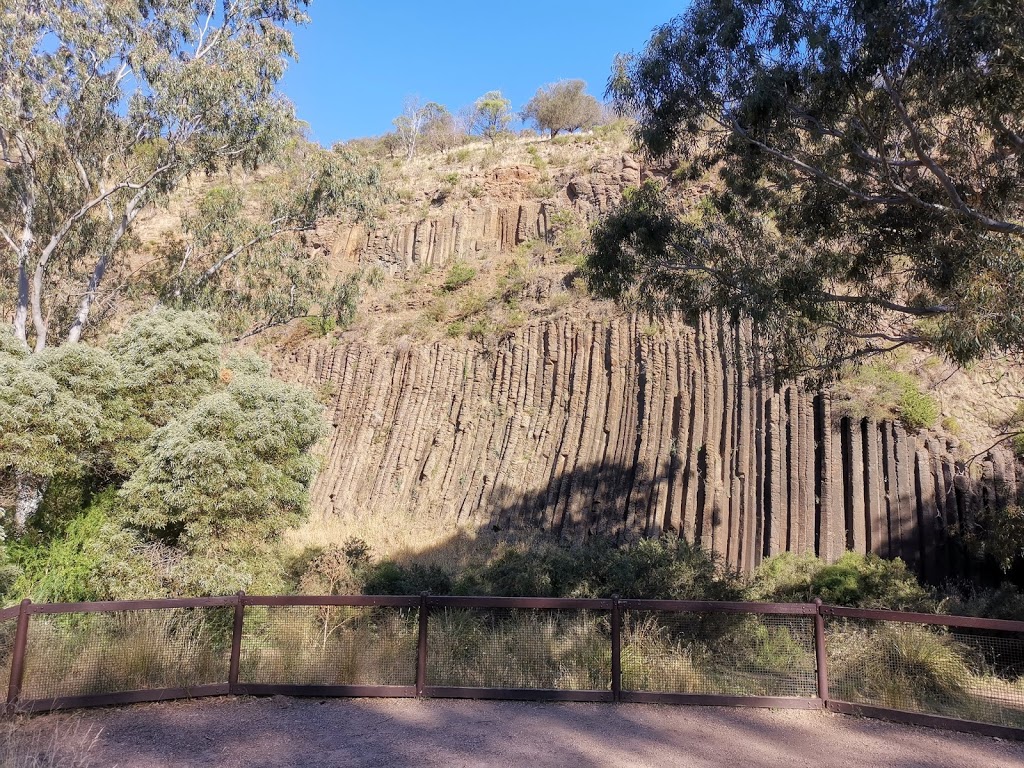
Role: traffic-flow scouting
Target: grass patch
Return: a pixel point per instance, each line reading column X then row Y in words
column 880, row 391
column 459, row 274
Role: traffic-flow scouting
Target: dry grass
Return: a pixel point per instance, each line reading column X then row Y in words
column 329, row 646
column 519, row 649
column 408, row 538
column 22, row 746
column 76, row 655
column 921, row 669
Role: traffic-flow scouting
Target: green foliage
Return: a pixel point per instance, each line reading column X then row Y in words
column 918, row 410
column 117, row 104
column 860, row 581
column 53, row 409
column 216, row 457
column 424, row 123
column 459, row 274
column 92, row 558
column 995, row 534
column 233, row 469
column 667, row 568
column 563, row 106
column 168, row 360
column 390, row 578
column 881, row 391
column 824, row 227
column 243, row 252
column 1017, row 443
column 492, row 114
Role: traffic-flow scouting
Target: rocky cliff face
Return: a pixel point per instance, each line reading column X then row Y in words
column 582, row 425
column 582, row 429
column 499, row 220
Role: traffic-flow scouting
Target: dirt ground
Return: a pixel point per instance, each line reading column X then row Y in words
column 280, row 731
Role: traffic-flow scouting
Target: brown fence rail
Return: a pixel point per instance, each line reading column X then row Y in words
column 955, row 672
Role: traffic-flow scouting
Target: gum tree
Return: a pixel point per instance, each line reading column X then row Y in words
column 106, row 109
column 491, row 115
column 868, row 160
column 563, row 106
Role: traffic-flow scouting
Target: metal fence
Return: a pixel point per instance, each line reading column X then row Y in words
column 955, row 672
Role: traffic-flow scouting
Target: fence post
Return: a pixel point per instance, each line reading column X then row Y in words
column 18, row 655
column 616, row 650
column 819, row 652
column 421, row 646
column 236, row 643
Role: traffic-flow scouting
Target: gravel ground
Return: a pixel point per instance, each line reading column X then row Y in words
column 251, row 732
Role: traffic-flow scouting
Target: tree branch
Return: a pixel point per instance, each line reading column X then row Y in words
column 994, row 225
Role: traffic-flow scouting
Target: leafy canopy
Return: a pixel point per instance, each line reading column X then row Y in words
column 866, row 160
column 563, row 106
column 105, row 109
column 492, row 114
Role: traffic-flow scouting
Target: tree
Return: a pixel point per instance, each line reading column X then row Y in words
column 76, row 411
column 144, row 414
column 870, row 171
column 492, row 114
column 53, row 416
column 241, row 250
column 106, row 109
column 419, row 121
column 235, row 468
column 563, row 106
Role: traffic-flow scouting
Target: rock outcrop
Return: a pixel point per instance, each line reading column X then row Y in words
column 586, row 429
column 497, row 222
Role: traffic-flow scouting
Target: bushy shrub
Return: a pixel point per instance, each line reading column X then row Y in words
column 1003, row 602
column 666, row 568
column 91, row 558
column 391, row 578
column 863, row 581
column 881, row 391
column 918, row 410
column 459, row 275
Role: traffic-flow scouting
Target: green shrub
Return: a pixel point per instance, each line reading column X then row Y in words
column 391, row 578
column 90, row 558
column 917, row 410
column 881, row 391
column 459, row 274
column 863, row 581
column 666, row 568
column 1017, row 443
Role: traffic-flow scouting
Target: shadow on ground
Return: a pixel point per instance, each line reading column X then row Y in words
column 308, row 733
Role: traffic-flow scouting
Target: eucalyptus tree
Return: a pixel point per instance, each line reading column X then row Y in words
column 563, row 106
column 105, row 110
column 868, row 165
column 418, row 121
column 491, row 115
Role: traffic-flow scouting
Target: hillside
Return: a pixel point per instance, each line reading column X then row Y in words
column 481, row 395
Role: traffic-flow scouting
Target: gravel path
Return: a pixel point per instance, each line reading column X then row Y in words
column 279, row 731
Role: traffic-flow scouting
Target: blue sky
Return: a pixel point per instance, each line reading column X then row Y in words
column 359, row 59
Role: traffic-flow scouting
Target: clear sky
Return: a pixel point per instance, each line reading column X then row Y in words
column 359, row 59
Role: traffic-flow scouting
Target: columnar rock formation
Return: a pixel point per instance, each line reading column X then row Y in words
column 497, row 222
column 600, row 429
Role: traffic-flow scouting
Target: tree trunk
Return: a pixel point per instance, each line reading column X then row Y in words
column 29, row 496
column 21, row 312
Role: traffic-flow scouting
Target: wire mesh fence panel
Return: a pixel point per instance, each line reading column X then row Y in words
column 717, row 653
column 82, row 654
column 931, row 669
column 329, row 645
column 519, row 648
column 7, row 629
